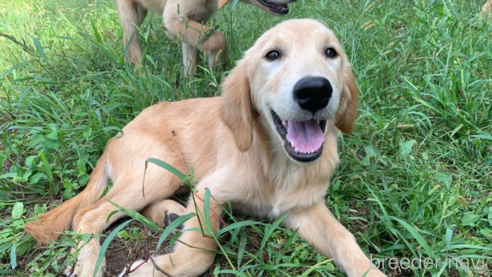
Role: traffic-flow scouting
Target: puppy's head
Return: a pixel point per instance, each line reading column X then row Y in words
column 296, row 78
column 275, row 7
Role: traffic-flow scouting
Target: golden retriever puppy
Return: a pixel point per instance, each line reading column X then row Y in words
column 183, row 20
column 268, row 145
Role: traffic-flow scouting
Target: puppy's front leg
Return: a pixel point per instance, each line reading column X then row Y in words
column 195, row 254
column 320, row 228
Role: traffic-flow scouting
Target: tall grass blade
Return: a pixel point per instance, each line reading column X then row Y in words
column 38, row 46
column 166, row 166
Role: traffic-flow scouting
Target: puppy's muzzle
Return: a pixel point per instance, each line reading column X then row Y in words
column 313, row 93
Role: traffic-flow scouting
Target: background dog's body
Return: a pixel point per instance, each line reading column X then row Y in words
column 238, row 153
column 184, row 20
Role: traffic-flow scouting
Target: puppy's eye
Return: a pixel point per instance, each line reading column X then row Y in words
column 331, row 53
column 272, row 55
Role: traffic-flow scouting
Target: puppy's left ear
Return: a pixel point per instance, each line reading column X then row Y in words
column 236, row 106
column 349, row 100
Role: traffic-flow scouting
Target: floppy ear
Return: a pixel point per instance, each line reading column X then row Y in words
column 236, row 105
column 349, row 100
column 221, row 3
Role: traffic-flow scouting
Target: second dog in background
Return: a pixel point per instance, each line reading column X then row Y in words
column 184, row 20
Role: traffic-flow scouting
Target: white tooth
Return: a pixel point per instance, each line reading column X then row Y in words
column 284, row 122
column 296, row 150
column 291, row 143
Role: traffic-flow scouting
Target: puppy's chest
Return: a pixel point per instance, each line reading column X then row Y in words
column 272, row 198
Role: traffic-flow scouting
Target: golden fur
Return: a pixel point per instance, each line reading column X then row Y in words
column 237, row 153
column 487, row 10
column 184, row 20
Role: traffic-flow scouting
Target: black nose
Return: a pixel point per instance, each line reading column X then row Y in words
column 313, row 93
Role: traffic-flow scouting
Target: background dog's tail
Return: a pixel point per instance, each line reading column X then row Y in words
column 48, row 225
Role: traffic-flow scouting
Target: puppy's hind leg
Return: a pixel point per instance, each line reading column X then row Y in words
column 163, row 213
column 126, row 192
column 131, row 15
column 194, row 253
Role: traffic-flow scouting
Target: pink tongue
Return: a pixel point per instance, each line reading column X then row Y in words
column 306, row 135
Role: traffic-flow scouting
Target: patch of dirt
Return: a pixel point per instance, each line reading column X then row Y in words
column 121, row 253
column 6, row 166
column 358, row 225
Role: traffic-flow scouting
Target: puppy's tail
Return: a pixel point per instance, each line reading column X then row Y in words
column 47, row 227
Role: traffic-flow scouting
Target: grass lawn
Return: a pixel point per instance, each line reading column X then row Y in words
column 415, row 178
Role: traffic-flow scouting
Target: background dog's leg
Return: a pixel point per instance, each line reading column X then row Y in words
column 187, row 261
column 320, row 228
column 142, row 14
column 131, row 15
column 191, row 32
column 190, row 58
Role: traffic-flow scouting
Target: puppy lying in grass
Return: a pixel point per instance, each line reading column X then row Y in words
column 268, row 146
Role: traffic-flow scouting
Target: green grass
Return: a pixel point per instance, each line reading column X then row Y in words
column 415, row 177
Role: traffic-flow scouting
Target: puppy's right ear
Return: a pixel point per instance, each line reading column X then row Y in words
column 236, row 105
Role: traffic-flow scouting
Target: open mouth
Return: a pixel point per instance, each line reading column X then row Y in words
column 275, row 8
column 303, row 140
